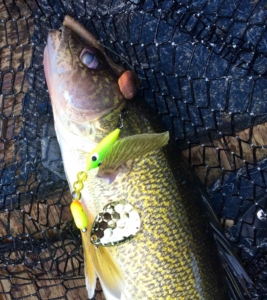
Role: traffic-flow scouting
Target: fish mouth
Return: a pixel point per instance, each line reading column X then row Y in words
column 53, row 39
column 52, row 46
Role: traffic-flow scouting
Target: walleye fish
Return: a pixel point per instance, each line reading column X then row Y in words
column 145, row 236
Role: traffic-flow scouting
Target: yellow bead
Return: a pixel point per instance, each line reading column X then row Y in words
column 77, row 186
column 82, row 176
column 78, row 214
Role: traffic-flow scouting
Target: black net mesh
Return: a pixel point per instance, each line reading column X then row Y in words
column 203, row 68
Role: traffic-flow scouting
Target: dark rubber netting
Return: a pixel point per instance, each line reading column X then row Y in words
column 203, row 68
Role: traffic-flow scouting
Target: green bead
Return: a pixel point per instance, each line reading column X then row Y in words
column 94, row 159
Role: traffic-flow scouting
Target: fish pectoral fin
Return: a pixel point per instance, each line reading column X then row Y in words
column 98, row 262
column 131, row 147
column 89, row 269
column 108, row 272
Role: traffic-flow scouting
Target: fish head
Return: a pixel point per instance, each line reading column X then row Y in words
column 82, row 85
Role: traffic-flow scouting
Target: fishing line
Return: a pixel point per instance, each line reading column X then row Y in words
column 113, row 52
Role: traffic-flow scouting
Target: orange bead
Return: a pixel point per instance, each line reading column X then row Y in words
column 128, row 82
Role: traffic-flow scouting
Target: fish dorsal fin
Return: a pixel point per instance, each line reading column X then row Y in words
column 131, row 147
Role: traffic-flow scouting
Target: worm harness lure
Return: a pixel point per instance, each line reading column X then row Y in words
column 93, row 161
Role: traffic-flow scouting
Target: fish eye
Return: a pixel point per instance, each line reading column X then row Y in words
column 89, row 59
column 94, row 157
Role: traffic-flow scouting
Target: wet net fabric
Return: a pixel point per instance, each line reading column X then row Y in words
column 203, row 67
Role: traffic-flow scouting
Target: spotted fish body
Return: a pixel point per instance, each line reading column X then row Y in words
column 172, row 256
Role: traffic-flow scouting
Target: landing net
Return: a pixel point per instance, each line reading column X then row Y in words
column 203, row 68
